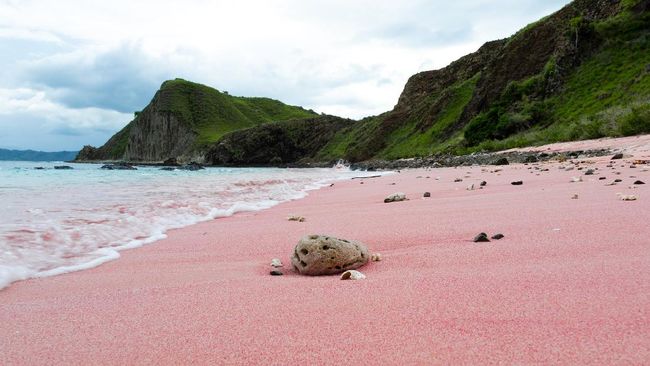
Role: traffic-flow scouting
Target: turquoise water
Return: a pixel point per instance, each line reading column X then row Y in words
column 57, row 221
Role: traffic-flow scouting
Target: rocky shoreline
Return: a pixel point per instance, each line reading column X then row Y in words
column 434, row 161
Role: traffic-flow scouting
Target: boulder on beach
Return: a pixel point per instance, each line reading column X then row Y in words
column 395, row 197
column 118, row 166
column 316, row 255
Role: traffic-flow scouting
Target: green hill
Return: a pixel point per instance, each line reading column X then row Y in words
column 184, row 118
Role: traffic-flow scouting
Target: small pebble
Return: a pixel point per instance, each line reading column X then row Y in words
column 427, row 194
column 276, row 272
column 576, row 179
column 296, row 218
column 517, row 183
column 481, row 238
column 352, row 275
column 483, row 183
column 628, row 197
column 375, row 257
column 275, row 262
column 497, row 236
column 638, row 182
column 602, row 178
column 618, row 180
column 457, row 180
column 574, row 197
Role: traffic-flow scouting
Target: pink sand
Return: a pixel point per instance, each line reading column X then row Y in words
column 569, row 283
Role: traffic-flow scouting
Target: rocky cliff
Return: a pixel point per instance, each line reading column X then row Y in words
column 183, row 119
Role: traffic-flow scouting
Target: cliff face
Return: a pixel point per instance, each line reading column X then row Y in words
column 276, row 143
column 157, row 135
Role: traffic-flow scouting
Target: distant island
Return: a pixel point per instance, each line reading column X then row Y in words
column 32, row 155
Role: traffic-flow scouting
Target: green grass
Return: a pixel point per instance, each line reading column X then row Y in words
column 212, row 114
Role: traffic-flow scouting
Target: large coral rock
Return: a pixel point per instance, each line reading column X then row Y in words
column 316, row 255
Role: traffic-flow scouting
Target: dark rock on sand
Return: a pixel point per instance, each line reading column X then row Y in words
column 481, row 238
column 517, row 183
column 316, row 255
column 497, row 236
column 618, row 180
column 63, row 167
column 501, row 161
column 276, row 272
column 638, row 182
column 590, row 172
column 192, row 167
column 617, row 156
column 427, row 194
column 602, row 178
column 483, row 183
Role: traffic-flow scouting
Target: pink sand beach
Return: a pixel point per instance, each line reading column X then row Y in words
column 568, row 284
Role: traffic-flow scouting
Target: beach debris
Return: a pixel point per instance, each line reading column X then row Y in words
column 575, row 197
column 638, row 182
column 590, row 172
column 627, row 197
column 275, row 262
column 427, row 194
column 483, row 184
column 481, row 238
column 458, row 180
column 375, row 257
column 316, row 255
column 353, row 275
column 498, row 236
column 276, row 272
column 617, row 156
column 395, row 197
column 296, row 218
column 576, row 179
column 470, row 187
column 517, row 183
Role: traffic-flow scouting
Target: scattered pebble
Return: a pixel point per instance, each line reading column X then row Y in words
column 628, row 197
column 481, row 238
column 618, row 180
column 275, row 262
column 353, row 275
column 395, row 197
column 427, row 194
column 470, row 187
column 375, row 257
column 517, row 183
column 497, row 236
column 576, row 179
column 296, row 218
column 602, row 178
column 617, row 156
column 457, row 180
column 574, row 197
column 589, row 172
column 276, row 272
column 483, row 183
column 638, row 182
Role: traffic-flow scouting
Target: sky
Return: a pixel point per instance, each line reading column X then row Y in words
column 74, row 71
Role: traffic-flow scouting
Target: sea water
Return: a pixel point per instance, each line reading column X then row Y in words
column 57, row 221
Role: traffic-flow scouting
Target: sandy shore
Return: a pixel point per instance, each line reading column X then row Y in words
column 569, row 283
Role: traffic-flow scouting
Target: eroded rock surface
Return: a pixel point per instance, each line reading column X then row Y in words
column 316, row 255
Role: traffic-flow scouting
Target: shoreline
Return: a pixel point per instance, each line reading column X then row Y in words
column 568, row 284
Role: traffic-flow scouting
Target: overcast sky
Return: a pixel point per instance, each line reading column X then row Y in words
column 74, row 71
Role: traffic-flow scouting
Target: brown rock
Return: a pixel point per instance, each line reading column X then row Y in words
column 316, row 255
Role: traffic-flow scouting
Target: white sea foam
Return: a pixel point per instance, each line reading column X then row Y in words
column 60, row 221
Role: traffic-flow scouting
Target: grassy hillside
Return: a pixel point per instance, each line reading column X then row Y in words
column 211, row 113
column 583, row 72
